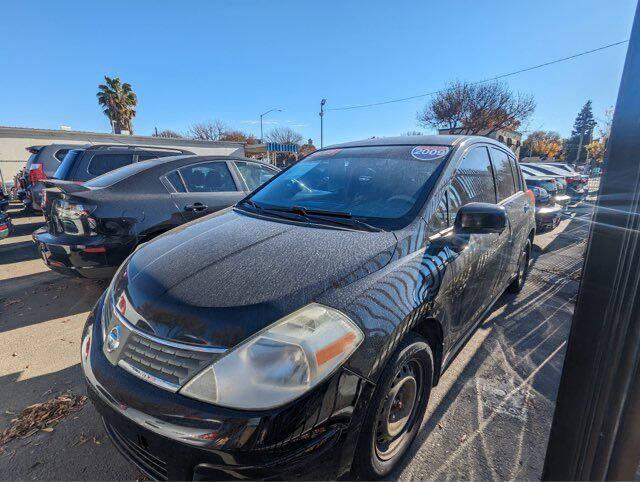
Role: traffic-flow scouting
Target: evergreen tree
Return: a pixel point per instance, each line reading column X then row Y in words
column 583, row 125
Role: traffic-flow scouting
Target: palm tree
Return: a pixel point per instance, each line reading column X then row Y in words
column 119, row 103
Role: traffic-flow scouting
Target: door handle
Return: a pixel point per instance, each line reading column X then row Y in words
column 195, row 207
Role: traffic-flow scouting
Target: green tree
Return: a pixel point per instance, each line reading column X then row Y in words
column 119, row 103
column 582, row 127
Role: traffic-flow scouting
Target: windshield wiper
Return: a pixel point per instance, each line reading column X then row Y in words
column 340, row 218
column 280, row 213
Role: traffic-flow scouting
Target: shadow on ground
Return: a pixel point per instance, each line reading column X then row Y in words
column 490, row 416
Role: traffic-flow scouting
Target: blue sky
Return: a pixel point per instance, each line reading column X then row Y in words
column 193, row 61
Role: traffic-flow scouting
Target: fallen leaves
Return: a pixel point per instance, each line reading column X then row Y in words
column 13, row 301
column 42, row 416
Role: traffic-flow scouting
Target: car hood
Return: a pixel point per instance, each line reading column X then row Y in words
column 221, row 279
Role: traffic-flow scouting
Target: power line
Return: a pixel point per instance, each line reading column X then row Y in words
column 497, row 77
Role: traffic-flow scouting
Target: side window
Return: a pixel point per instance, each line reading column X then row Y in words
column 504, row 175
column 209, row 177
column 146, row 157
column 60, row 154
column 155, row 155
column 517, row 174
column 254, row 174
column 175, row 180
column 473, row 181
column 440, row 219
column 102, row 163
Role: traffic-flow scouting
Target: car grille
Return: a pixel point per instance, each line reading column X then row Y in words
column 152, row 465
column 172, row 365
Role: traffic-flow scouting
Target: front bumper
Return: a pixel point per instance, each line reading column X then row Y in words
column 170, row 436
column 548, row 216
column 83, row 256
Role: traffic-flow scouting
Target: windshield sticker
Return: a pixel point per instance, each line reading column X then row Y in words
column 429, row 153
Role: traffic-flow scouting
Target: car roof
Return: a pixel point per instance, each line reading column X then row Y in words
column 538, row 178
column 142, row 167
column 431, row 140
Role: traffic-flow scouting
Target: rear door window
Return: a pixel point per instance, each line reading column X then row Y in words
column 176, row 181
column 60, row 154
column 208, row 177
column 504, row 175
column 254, row 175
column 66, row 167
column 103, row 163
column 473, row 181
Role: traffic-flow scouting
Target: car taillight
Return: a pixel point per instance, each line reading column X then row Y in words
column 75, row 218
column 531, row 195
column 36, row 173
column 4, row 227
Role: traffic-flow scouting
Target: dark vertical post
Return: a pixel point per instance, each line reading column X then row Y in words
column 322, row 103
column 595, row 433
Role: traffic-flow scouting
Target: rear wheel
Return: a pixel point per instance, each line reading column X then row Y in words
column 396, row 409
column 523, row 269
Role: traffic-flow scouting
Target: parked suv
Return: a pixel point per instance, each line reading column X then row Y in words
column 300, row 332
column 86, row 163
column 41, row 165
column 93, row 226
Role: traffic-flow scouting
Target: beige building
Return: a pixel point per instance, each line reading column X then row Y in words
column 512, row 139
column 15, row 140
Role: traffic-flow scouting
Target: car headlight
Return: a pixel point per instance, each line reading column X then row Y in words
column 280, row 363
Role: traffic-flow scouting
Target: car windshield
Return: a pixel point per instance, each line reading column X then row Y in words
column 64, row 169
column 383, row 186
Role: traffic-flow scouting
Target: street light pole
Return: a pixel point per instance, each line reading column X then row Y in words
column 264, row 114
column 322, row 103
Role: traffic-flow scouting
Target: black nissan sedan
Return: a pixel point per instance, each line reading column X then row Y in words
column 300, row 333
column 93, row 226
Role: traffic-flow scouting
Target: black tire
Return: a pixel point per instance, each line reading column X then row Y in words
column 523, row 269
column 413, row 358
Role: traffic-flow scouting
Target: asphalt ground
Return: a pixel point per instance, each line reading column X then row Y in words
column 489, row 418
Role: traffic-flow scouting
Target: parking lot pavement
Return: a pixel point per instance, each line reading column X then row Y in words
column 488, row 418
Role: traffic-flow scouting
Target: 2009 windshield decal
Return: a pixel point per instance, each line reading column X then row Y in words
column 429, row 153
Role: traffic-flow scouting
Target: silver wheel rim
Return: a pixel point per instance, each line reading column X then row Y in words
column 399, row 410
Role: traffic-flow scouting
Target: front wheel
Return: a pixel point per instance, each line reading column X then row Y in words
column 396, row 409
column 523, row 269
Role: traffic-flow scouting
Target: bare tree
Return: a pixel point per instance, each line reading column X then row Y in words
column 168, row 133
column 447, row 109
column 284, row 135
column 410, row 133
column 465, row 108
column 208, row 131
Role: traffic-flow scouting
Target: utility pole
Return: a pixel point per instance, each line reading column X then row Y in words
column 322, row 103
column 261, row 116
column 579, row 149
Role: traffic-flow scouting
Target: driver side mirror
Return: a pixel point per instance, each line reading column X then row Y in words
column 480, row 218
